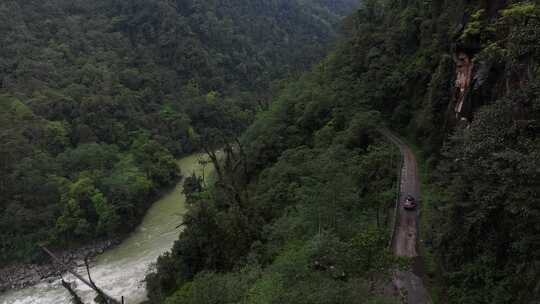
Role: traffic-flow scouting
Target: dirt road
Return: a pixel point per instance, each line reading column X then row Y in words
column 404, row 242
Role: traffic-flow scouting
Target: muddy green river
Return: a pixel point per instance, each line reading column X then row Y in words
column 121, row 270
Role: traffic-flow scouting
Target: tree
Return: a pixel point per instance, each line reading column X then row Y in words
column 108, row 220
column 155, row 160
column 191, row 186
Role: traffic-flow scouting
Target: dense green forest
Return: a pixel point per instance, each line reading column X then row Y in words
column 98, row 98
column 300, row 221
column 303, row 218
column 461, row 78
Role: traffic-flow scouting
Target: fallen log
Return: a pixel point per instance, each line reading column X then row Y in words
column 74, row 295
column 109, row 299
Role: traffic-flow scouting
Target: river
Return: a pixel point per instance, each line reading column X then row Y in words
column 120, row 271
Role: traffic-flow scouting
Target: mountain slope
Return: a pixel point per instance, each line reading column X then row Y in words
column 460, row 78
column 97, row 98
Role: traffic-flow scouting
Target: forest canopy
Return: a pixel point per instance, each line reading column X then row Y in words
column 460, row 79
column 98, row 99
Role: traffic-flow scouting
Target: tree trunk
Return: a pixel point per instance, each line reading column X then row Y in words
column 107, row 298
column 74, row 295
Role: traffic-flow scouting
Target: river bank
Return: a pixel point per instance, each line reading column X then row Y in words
column 19, row 276
column 120, row 270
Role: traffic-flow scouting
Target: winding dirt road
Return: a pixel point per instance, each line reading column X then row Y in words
column 404, row 242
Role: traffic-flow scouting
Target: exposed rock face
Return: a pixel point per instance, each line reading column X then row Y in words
column 476, row 83
column 464, row 73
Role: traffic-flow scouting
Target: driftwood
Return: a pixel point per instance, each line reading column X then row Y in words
column 74, row 295
column 102, row 295
column 102, row 298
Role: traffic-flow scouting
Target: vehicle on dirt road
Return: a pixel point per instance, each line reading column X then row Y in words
column 410, row 203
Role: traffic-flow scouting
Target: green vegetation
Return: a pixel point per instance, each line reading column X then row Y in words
column 97, row 99
column 399, row 64
column 307, row 220
column 482, row 204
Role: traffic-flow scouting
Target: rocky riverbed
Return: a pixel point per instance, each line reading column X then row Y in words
column 23, row 275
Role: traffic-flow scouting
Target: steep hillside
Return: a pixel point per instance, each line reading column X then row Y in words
column 460, row 78
column 97, row 98
column 299, row 211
